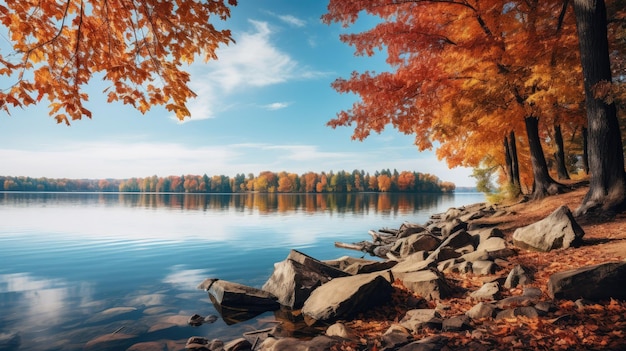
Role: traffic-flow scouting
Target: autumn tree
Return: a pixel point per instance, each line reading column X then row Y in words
column 465, row 74
column 607, row 188
column 137, row 46
column 406, row 181
column 384, row 182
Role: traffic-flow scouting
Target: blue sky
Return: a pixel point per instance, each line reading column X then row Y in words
column 262, row 106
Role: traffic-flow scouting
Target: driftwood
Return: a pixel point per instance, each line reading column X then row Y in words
column 364, row 246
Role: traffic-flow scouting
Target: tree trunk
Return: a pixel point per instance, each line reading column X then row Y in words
column 509, row 161
column 543, row 184
column 585, row 151
column 515, row 162
column 559, row 155
column 607, row 189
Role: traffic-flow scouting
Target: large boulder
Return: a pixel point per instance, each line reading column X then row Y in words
column 297, row 276
column 597, row 282
column 558, row 230
column 429, row 284
column 344, row 297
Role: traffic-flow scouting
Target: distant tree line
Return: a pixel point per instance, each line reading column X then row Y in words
column 265, row 182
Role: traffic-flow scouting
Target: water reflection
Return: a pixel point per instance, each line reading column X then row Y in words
column 262, row 203
column 77, row 267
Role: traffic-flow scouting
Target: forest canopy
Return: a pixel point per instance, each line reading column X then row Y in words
column 265, row 182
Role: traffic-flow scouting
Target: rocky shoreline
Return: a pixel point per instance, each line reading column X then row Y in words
column 421, row 273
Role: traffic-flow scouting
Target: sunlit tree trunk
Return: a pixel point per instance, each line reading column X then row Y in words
column 543, row 184
column 512, row 166
column 559, row 155
column 515, row 162
column 607, row 187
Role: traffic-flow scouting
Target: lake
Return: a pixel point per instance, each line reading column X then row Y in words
column 106, row 271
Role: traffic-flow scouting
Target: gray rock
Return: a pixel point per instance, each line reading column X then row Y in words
column 407, row 229
column 480, row 235
column 489, row 291
column 478, row 255
column 451, row 213
column 319, row 343
column 370, row 267
column 395, row 337
column 544, row 307
column 456, row 323
column 343, row 297
column 458, row 239
column 484, row 267
column 444, row 253
column 597, row 282
column 481, row 310
column 417, row 319
column 532, row 292
column 558, row 230
column 432, row 343
column 515, row 301
column 419, row 242
column 241, row 344
column 429, row 284
column 342, row 331
column 238, row 296
column 293, row 279
column 449, row 266
column 525, row 311
column 517, row 276
column 492, row 244
column 412, row 263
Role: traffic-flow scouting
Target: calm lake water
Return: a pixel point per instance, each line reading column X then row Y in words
column 108, row 271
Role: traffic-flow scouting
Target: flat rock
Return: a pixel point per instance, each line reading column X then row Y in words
column 456, row 323
column 417, row 319
column 432, row 343
column 292, row 344
column 343, row 297
column 597, row 282
column 238, row 296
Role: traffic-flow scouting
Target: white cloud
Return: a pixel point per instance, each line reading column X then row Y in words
column 253, row 62
column 292, row 20
column 276, row 106
column 135, row 159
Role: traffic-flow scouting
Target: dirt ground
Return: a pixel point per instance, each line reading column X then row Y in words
column 596, row 326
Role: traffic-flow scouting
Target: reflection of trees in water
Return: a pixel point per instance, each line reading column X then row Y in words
column 264, row 203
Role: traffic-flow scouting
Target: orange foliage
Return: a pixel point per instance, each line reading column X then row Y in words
column 464, row 73
column 59, row 46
